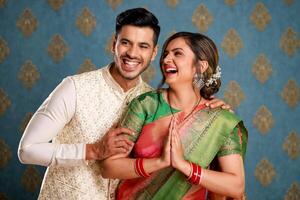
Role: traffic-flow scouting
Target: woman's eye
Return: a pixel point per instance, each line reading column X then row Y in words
column 177, row 53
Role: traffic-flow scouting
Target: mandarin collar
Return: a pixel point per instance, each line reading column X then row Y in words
column 115, row 86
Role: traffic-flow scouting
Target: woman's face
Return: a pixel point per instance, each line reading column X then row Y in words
column 178, row 64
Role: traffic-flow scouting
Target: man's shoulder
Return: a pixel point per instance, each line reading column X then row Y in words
column 89, row 74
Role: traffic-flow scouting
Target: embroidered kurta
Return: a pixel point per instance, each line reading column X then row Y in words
column 79, row 111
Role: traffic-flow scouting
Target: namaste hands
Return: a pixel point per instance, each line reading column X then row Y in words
column 173, row 151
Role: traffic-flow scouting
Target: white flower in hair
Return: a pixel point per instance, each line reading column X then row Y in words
column 214, row 77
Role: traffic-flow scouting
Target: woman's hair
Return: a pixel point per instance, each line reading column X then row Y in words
column 139, row 17
column 204, row 49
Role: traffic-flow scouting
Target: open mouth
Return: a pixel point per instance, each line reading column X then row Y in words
column 130, row 65
column 170, row 70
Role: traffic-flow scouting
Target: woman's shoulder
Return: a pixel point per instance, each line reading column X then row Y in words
column 146, row 103
column 153, row 95
column 227, row 116
column 227, row 122
column 231, row 119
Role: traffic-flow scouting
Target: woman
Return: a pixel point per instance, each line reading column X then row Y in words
column 177, row 136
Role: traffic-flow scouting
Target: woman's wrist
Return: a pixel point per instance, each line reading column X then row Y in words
column 184, row 167
column 161, row 163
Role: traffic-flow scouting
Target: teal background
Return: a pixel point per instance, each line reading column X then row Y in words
column 179, row 18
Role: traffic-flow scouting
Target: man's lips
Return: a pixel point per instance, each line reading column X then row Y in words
column 130, row 65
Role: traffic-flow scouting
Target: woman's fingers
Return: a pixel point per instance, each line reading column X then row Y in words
column 169, row 139
column 171, row 130
column 175, row 139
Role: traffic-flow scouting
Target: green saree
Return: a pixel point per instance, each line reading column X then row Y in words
column 205, row 134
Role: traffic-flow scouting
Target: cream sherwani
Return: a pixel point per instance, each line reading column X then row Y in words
column 80, row 110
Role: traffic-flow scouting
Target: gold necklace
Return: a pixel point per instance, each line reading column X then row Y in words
column 194, row 107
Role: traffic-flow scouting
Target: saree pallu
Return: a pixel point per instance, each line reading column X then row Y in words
column 205, row 135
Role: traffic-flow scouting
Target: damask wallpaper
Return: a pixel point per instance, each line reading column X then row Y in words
column 41, row 42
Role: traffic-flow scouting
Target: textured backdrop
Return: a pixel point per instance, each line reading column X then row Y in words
column 43, row 41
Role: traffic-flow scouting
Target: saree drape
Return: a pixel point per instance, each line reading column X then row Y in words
column 205, row 134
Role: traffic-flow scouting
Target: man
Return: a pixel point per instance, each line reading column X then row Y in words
column 79, row 115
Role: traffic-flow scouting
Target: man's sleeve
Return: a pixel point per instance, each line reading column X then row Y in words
column 56, row 111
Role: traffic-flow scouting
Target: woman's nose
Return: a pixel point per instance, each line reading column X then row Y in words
column 167, row 58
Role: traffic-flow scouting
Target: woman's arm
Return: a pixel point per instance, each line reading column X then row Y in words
column 230, row 181
column 122, row 167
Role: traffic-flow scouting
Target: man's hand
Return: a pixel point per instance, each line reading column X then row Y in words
column 112, row 143
column 215, row 103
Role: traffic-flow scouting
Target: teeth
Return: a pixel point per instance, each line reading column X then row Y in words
column 130, row 62
column 171, row 70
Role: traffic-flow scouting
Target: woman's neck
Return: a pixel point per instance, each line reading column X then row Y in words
column 183, row 98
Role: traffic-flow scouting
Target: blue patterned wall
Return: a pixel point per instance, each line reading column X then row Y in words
column 41, row 42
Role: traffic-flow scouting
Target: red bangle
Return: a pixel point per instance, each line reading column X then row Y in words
column 139, row 168
column 142, row 168
column 195, row 176
column 191, row 172
column 136, row 167
column 199, row 174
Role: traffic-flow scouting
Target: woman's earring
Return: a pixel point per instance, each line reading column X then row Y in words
column 198, row 81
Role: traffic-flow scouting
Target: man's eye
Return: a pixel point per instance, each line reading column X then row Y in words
column 144, row 47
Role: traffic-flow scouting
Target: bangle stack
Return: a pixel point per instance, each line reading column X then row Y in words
column 139, row 168
column 195, row 175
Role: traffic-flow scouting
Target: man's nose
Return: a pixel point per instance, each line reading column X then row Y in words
column 132, row 51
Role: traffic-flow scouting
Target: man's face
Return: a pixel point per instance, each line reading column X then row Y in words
column 133, row 50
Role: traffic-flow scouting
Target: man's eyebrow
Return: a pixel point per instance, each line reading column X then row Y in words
column 140, row 43
column 145, row 43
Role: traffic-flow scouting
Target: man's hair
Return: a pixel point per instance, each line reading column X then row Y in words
column 138, row 17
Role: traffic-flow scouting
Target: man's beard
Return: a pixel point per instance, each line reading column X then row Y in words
column 128, row 77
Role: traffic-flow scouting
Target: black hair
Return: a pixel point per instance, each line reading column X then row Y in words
column 138, row 17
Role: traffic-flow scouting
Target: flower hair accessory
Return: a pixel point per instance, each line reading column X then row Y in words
column 214, row 77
